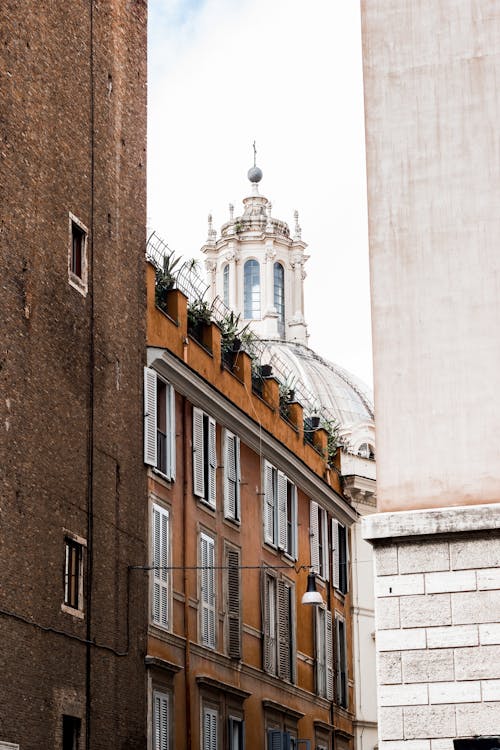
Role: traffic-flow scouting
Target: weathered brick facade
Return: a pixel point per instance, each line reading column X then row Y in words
column 72, row 129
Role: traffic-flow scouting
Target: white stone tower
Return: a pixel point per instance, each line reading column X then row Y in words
column 257, row 268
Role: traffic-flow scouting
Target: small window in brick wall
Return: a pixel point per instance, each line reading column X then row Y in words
column 77, row 254
column 71, row 733
column 73, row 574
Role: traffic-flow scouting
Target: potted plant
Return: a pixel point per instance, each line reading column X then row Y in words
column 334, row 440
column 287, row 395
column 165, row 279
column 199, row 315
column 233, row 337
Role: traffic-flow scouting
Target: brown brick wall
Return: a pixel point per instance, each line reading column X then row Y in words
column 53, row 339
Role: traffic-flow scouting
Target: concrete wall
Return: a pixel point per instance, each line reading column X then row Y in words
column 432, row 113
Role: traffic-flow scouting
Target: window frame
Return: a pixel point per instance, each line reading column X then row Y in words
column 275, row 510
column 151, row 429
column 279, row 295
column 71, row 724
column 79, row 544
column 324, row 653
column 278, row 626
column 80, row 283
column 340, row 556
column 252, row 301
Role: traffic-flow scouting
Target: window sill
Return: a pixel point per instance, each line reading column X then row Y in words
column 77, row 283
column 168, row 480
column 73, row 612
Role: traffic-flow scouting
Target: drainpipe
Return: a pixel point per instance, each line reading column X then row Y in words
column 187, row 652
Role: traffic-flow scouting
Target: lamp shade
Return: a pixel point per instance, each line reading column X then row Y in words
column 311, row 596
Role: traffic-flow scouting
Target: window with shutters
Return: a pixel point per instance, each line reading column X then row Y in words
column 73, row 574
column 233, row 602
column 204, row 457
column 341, row 662
column 324, row 653
column 207, row 598
column 280, row 511
column 340, row 557
column 236, row 732
column 160, row 557
column 159, row 424
column 278, row 598
column 231, row 476
column 210, row 721
column 319, row 540
column 77, row 254
column 162, row 720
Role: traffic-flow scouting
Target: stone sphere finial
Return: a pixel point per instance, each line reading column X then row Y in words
column 255, row 174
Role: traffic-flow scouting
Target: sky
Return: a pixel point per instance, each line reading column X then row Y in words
column 287, row 74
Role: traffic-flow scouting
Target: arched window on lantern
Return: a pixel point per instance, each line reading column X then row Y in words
column 366, row 450
column 279, row 296
column 225, row 284
column 251, row 289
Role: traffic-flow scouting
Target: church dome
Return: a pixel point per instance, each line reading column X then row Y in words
column 334, row 388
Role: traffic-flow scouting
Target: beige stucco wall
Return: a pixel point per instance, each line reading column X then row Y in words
column 431, row 72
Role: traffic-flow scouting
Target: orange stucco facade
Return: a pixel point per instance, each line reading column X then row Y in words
column 194, row 675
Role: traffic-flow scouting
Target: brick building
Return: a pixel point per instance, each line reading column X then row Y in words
column 73, row 511
column 242, row 505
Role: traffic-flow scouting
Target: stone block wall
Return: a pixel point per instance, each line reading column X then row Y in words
column 438, row 632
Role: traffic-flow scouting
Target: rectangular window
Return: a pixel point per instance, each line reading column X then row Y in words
column 340, row 557
column 159, row 424
column 73, row 574
column 160, row 555
column 236, row 733
column 210, row 728
column 208, row 613
column 324, row 653
column 231, row 476
column 70, row 733
column 77, row 255
column 161, row 720
column 341, row 662
column 278, row 627
column 319, row 540
column 280, row 511
column 233, row 602
column 204, row 456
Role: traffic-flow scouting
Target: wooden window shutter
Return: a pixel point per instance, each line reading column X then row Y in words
column 231, row 476
column 335, row 554
column 150, row 448
column 207, row 594
column 282, row 515
column 275, row 739
column 233, row 604
column 269, row 623
column 269, row 503
column 160, row 541
column 284, row 631
column 314, row 533
column 209, row 729
column 212, row 461
column 171, row 457
column 161, row 721
column 320, row 651
column 198, row 473
column 329, row 655
column 326, row 551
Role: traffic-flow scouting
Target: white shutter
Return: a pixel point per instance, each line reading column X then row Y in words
column 329, row 655
column 198, row 460
column 161, row 721
column 212, row 462
column 320, row 651
column 269, row 503
column 150, row 454
column 347, row 559
column 237, row 466
column 231, row 475
column 160, row 533
column 209, row 729
column 295, row 551
column 314, row 533
column 282, row 517
column 171, row 457
column 326, row 551
column 335, row 554
column 207, row 594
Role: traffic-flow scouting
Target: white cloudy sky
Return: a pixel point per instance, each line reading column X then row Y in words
column 286, row 73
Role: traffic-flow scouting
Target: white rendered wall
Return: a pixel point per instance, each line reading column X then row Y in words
column 432, row 98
